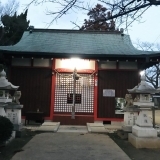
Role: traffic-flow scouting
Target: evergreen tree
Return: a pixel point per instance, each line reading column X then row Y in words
column 12, row 28
column 97, row 20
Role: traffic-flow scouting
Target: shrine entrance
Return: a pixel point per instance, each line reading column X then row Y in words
column 84, row 99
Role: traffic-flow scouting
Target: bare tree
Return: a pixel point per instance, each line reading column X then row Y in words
column 153, row 73
column 9, row 8
column 122, row 11
column 146, row 46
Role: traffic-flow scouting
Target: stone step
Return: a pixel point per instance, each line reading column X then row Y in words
column 49, row 127
column 73, row 128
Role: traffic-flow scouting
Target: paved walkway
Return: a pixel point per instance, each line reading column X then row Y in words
column 71, row 146
column 72, row 143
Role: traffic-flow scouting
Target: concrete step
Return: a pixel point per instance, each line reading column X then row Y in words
column 49, row 127
column 72, row 128
column 96, row 127
column 101, row 128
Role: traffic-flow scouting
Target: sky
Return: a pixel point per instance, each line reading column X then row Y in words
column 147, row 31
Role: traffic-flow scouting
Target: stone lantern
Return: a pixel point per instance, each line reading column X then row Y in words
column 143, row 134
column 9, row 105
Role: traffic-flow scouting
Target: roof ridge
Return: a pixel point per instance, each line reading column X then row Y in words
column 74, row 31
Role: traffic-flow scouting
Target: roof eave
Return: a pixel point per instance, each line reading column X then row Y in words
column 66, row 55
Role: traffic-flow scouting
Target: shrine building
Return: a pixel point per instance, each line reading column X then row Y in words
column 44, row 62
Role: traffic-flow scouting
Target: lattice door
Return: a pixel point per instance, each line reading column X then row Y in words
column 64, row 93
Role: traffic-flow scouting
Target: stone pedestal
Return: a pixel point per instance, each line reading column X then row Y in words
column 13, row 113
column 9, row 105
column 130, row 117
column 143, row 120
column 141, row 142
column 143, row 134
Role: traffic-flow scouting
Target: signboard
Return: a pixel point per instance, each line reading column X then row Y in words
column 108, row 93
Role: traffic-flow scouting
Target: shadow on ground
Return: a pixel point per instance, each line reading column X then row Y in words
column 16, row 145
column 132, row 152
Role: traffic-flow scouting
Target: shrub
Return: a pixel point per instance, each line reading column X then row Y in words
column 6, row 128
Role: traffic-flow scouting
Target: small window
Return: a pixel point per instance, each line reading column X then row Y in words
column 128, row 65
column 107, row 65
column 21, row 62
column 42, row 62
column 70, row 98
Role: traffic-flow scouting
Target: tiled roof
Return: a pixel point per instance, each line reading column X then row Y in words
column 73, row 42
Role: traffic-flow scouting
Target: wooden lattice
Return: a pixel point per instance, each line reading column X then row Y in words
column 64, row 93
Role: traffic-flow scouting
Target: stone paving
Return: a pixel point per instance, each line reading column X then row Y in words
column 71, row 146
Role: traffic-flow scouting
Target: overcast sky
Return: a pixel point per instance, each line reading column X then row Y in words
column 149, row 30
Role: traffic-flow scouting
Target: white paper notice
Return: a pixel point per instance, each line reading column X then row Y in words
column 108, row 93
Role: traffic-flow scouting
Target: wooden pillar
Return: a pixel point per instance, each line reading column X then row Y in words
column 52, row 90
column 95, row 91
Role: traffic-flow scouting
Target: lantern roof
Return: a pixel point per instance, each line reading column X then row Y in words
column 4, row 84
column 143, row 87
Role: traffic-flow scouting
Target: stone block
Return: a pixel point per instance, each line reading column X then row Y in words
column 130, row 118
column 139, row 142
column 144, row 131
column 5, row 100
column 116, row 123
column 97, row 129
column 14, row 115
column 95, row 124
column 50, row 123
column 143, row 120
column 143, row 104
column 49, row 128
column 127, row 128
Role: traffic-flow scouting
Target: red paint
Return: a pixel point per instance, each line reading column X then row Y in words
column 52, row 91
column 69, row 115
column 71, row 70
column 95, row 91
